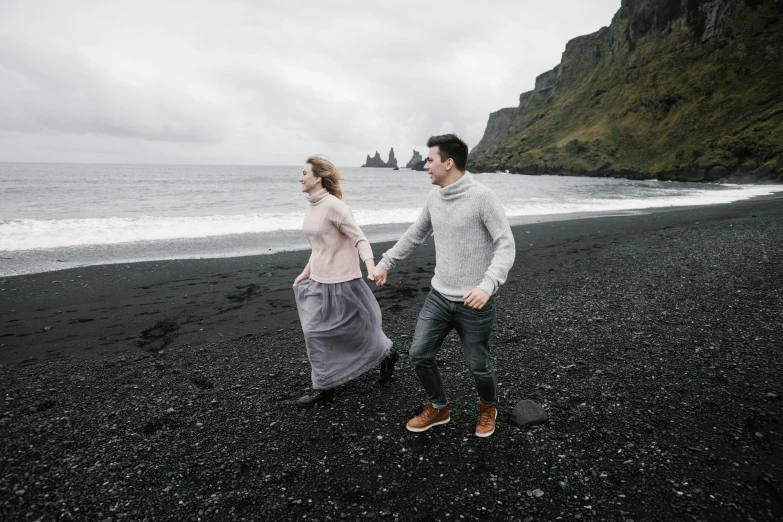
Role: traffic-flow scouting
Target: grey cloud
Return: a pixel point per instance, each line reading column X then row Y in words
column 59, row 93
column 286, row 79
column 296, row 108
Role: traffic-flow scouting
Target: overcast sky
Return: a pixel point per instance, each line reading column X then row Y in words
column 244, row 82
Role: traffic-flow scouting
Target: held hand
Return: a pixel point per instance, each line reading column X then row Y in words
column 300, row 277
column 379, row 276
column 370, row 269
column 476, row 299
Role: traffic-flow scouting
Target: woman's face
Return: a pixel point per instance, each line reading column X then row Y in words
column 310, row 183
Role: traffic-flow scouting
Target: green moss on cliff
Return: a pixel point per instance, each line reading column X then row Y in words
column 671, row 100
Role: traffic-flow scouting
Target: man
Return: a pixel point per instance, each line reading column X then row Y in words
column 474, row 250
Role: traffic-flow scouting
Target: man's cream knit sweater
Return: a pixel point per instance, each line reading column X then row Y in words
column 474, row 246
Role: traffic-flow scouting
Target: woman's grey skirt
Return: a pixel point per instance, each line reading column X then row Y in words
column 342, row 330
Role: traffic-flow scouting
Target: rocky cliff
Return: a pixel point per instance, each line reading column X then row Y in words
column 377, row 162
column 673, row 89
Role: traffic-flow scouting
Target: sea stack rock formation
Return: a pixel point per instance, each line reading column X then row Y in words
column 392, row 160
column 377, row 162
column 416, row 158
column 671, row 90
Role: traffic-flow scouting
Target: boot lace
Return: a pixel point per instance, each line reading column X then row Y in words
column 428, row 413
column 485, row 416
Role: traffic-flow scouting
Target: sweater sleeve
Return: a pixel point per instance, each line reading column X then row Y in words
column 348, row 226
column 504, row 250
column 416, row 234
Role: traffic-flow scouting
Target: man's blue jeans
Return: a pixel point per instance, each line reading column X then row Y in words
column 436, row 319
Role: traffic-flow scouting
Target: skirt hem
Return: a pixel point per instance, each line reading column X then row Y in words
column 343, row 330
column 356, row 373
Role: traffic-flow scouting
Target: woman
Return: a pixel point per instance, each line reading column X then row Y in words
column 341, row 319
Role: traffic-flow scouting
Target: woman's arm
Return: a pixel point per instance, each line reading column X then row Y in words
column 370, row 264
column 304, row 275
column 348, row 226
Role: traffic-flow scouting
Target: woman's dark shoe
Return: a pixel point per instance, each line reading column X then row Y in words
column 387, row 366
column 318, row 396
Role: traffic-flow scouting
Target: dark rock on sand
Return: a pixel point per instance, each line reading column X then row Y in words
column 529, row 413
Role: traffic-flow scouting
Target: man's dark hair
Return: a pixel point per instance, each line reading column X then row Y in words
column 450, row 146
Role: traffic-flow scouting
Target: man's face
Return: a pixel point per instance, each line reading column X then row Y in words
column 437, row 169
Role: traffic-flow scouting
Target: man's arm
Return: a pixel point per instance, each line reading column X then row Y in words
column 416, row 234
column 504, row 250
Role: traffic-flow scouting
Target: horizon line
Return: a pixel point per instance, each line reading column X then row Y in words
column 160, row 163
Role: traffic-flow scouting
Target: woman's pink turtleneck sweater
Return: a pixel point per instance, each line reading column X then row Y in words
column 335, row 238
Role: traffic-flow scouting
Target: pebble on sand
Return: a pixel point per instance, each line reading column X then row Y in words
column 529, row 413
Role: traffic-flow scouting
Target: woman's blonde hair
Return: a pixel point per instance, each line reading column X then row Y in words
column 330, row 176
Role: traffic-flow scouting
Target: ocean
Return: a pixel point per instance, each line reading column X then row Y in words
column 55, row 216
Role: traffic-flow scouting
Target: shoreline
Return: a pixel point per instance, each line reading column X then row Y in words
column 213, row 299
column 40, row 261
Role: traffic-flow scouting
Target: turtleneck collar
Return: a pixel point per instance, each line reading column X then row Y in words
column 458, row 188
column 317, row 196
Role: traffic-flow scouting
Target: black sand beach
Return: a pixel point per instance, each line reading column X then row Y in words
column 164, row 390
